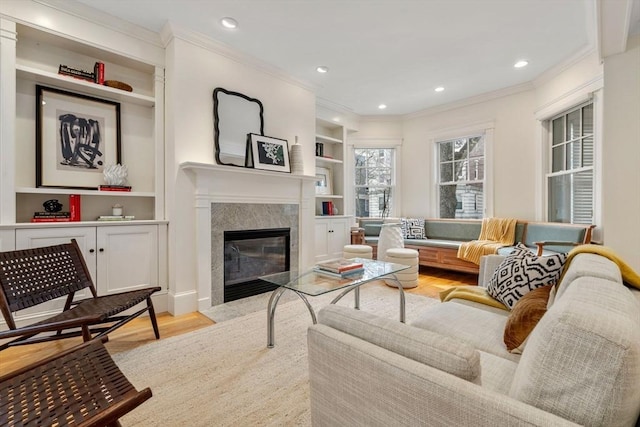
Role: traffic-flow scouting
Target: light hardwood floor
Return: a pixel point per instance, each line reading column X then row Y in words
column 139, row 332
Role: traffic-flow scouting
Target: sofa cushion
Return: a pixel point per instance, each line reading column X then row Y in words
column 539, row 232
column 452, row 230
column 522, row 272
column 482, row 328
column 582, row 361
column 497, row 373
column 412, row 228
column 438, row 351
column 587, row 265
column 524, row 317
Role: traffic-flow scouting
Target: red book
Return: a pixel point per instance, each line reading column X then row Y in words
column 114, row 188
column 98, row 70
column 330, row 208
column 50, row 219
column 74, row 207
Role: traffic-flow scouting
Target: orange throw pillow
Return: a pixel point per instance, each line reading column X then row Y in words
column 524, row 317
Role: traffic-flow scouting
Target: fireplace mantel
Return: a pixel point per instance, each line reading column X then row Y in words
column 229, row 184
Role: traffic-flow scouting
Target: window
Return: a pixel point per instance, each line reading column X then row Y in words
column 570, row 177
column 461, row 175
column 374, row 180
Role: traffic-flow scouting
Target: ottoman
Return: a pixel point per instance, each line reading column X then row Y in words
column 357, row 251
column 408, row 277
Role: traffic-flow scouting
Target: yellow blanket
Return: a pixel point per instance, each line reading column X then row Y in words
column 471, row 293
column 629, row 276
column 494, row 234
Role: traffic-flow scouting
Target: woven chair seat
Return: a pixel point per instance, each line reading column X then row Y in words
column 81, row 386
column 104, row 306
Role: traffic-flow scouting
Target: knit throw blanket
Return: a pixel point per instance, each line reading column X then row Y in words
column 629, row 276
column 494, row 234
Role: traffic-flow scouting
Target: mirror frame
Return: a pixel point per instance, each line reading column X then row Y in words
column 216, row 120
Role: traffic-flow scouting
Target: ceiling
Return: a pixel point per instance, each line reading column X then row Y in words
column 393, row 52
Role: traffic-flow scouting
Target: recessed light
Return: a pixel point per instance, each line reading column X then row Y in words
column 322, row 69
column 229, row 23
column 439, row 89
column 382, row 106
column 336, row 119
column 521, row 63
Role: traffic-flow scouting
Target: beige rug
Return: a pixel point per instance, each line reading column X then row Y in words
column 224, row 375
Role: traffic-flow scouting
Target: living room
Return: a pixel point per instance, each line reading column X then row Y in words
column 192, row 66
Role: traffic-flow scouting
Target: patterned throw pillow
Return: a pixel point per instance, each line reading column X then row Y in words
column 521, row 272
column 412, row 228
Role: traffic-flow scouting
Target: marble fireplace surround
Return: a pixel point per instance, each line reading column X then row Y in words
column 234, row 198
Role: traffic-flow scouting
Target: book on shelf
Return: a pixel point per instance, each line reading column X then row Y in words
column 53, row 219
column 74, row 207
column 116, row 217
column 327, row 208
column 52, row 214
column 98, row 71
column 77, row 73
column 344, row 275
column 114, row 187
column 339, row 265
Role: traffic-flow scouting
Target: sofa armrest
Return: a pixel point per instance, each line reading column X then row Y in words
column 541, row 245
column 355, row 382
column 488, row 264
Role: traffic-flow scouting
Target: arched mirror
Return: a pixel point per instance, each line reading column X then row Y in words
column 234, row 116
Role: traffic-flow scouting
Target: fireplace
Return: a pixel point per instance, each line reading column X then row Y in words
column 249, row 254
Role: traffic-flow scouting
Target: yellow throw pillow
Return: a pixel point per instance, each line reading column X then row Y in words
column 524, row 317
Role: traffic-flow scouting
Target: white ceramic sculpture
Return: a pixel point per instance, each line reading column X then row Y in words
column 115, row 174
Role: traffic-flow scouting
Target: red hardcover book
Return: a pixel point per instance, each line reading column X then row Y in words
column 330, row 208
column 74, row 207
column 50, row 219
column 98, row 70
column 114, row 188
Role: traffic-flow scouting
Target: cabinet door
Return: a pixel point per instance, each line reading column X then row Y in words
column 7, row 240
column 38, row 237
column 338, row 236
column 322, row 239
column 127, row 258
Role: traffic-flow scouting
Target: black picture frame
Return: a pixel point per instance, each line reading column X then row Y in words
column 76, row 137
column 267, row 153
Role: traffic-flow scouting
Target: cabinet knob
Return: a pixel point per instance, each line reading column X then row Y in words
column 101, row 250
column 91, row 251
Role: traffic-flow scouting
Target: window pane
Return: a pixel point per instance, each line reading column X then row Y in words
column 571, row 198
column 558, row 130
column 446, row 151
column 558, row 159
column 574, row 156
column 582, row 197
column 461, row 201
column 460, row 148
column 573, row 125
column 461, row 170
column 587, row 120
column 476, row 147
column 446, row 172
column 361, row 176
column 374, row 203
column 448, row 201
column 587, row 151
column 559, row 199
column 374, row 179
column 476, row 170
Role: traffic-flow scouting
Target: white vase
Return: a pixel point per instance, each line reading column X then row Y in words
column 295, row 154
column 390, row 237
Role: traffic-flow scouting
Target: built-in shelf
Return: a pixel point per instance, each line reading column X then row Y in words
column 324, row 138
column 32, row 190
column 71, row 83
column 327, row 160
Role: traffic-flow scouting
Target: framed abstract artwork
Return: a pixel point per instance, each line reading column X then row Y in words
column 76, row 137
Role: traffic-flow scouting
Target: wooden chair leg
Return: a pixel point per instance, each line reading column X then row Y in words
column 154, row 321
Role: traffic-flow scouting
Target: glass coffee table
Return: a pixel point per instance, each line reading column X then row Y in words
column 312, row 284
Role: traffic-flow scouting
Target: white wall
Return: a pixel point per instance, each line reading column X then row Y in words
column 194, row 70
column 621, row 153
column 513, row 150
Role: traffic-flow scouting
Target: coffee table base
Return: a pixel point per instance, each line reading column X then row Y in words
column 275, row 298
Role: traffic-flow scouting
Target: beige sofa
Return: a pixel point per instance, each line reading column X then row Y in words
column 581, row 363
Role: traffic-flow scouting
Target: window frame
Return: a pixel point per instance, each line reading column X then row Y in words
column 393, row 176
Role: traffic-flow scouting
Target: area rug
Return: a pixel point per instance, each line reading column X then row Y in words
column 223, row 375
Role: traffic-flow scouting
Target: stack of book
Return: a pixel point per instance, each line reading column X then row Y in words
column 339, row 268
column 51, row 217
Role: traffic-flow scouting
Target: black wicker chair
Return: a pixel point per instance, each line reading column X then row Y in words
column 81, row 386
column 33, row 276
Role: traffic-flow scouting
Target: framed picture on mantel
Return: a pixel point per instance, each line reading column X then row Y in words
column 76, row 137
column 267, row 153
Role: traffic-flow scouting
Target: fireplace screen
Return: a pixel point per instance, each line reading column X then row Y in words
column 249, row 254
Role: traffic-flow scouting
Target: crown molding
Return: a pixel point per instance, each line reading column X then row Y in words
column 566, row 64
column 171, row 31
column 98, row 17
column 484, row 97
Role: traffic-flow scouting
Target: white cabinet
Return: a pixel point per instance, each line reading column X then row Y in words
column 331, row 236
column 7, row 240
column 119, row 258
